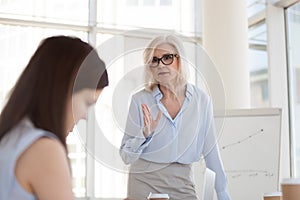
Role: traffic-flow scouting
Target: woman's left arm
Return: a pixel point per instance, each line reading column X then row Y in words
column 44, row 171
column 212, row 156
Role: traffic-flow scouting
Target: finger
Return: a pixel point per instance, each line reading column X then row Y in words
column 145, row 120
column 146, row 116
column 145, row 109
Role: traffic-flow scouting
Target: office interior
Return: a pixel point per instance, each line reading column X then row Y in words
column 253, row 45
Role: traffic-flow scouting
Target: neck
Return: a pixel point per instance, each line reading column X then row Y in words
column 172, row 91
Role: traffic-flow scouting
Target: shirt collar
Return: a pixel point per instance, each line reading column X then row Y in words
column 189, row 91
column 156, row 93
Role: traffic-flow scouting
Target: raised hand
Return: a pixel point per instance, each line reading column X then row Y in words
column 150, row 124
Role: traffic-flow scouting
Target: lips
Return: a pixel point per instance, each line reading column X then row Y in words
column 163, row 73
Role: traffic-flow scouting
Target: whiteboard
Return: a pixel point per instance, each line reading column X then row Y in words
column 249, row 143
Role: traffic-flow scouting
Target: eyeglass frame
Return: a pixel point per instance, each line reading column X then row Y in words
column 160, row 59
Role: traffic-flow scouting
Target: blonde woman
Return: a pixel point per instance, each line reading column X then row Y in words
column 170, row 125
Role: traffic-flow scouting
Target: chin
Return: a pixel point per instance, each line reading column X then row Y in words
column 70, row 129
column 165, row 82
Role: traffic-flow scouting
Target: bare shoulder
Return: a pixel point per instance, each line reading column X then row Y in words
column 43, row 151
column 44, row 165
column 46, row 146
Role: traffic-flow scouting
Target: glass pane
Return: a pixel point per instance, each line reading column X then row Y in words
column 67, row 11
column 255, row 6
column 258, row 34
column 293, row 29
column 149, row 2
column 157, row 14
column 258, row 78
column 132, row 2
column 258, row 65
column 77, row 157
column 17, row 46
column 165, row 2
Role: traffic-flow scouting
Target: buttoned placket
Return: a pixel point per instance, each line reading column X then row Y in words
column 175, row 121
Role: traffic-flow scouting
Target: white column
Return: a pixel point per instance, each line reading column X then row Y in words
column 225, row 29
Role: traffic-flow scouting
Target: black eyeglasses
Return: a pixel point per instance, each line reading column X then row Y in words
column 166, row 59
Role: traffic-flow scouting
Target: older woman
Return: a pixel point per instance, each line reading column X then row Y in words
column 170, row 126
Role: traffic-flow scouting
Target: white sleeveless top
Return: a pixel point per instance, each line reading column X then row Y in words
column 11, row 147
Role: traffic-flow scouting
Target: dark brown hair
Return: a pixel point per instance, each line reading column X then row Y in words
column 60, row 67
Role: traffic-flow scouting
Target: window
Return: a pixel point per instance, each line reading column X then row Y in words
column 18, row 43
column 77, row 157
column 68, row 11
column 157, row 14
column 124, row 15
column 258, row 54
column 255, row 7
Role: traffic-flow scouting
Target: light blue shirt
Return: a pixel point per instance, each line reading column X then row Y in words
column 12, row 146
column 184, row 139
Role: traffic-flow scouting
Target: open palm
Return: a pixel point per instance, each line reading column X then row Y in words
column 150, row 124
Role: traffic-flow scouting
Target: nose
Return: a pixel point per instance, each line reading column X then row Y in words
column 161, row 65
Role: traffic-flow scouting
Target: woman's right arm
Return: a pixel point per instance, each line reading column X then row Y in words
column 134, row 140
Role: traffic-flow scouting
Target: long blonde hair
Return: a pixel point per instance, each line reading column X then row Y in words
column 176, row 43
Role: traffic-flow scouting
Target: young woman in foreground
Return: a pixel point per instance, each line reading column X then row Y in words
column 62, row 80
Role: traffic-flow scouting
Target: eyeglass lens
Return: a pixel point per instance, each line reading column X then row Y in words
column 166, row 59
